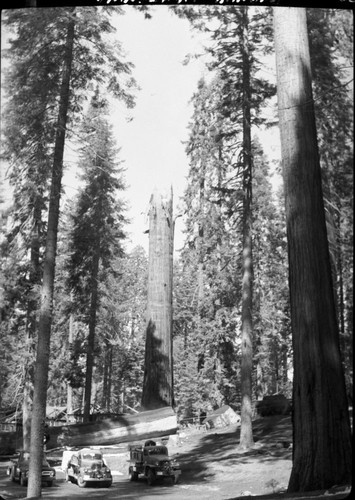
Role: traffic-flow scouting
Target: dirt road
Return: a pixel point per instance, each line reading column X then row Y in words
column 213, row 468
column 122, row 488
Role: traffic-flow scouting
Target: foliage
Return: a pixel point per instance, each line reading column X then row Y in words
column 207, row 289
column 32, row 85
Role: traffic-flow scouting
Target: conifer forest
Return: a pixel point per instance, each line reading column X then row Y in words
column 260, row 295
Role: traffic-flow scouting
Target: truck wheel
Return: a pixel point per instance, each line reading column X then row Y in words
column 23, row 481
column 150, row 477
column 133, row 475
column 81, row 482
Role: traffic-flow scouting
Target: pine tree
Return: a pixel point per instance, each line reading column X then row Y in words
column 120, row 328
column 241, row 95
column 45, row 315
column 97, row 225
column 29, row 136
column 74, row 65
column 272, row 333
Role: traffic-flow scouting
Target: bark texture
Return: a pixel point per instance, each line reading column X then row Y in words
column 158, row 370
column 246, row 429
column 321, row 441
column 45, row 319
column 90, row 352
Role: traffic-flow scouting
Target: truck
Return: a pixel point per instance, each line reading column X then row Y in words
column 152, row 461
column 87, row 466
column 19, row 469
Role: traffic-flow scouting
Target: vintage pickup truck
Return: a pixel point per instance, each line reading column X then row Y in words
column 19, row 469
column 87, row 466
column 153, row 462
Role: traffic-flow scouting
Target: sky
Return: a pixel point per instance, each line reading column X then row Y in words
column 151, row 144
column 151, row 136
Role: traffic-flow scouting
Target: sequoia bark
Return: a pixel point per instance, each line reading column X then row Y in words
column 158, row 370
column 321, row 440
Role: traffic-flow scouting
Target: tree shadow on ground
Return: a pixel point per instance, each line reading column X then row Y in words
column 272, row 436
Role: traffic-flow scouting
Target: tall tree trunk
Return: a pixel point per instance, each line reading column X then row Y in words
column 107, row 378
column 200, row 261
column 340, row 288
column 69, row 387
column 31, row 327
column 158, row 370
column 321, row 429
column 90, row 353
column 246, row 430
column 45, row 318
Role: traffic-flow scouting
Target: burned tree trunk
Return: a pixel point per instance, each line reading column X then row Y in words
column 158, row 373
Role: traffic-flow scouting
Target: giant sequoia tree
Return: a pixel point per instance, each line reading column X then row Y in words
column 322, row 443
column 158, row 369
column 331, row 51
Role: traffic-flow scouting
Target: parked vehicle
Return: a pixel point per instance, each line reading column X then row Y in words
column 275, row 404
column 18, row 470
column 153, row 462
column 87, row 466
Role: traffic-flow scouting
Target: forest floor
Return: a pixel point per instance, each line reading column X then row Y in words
column 213, row 468
column 213, row 457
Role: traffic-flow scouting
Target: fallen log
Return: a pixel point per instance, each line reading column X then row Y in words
column 121, row 429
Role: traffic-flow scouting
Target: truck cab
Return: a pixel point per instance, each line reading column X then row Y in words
column 153, row 462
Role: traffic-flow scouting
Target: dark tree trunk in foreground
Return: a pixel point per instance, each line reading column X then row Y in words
column 246, row 430
column 321, row 440
column 45, row 319
column 158, row 370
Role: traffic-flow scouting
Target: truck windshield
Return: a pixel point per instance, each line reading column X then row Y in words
column 157, row 450
column 92, row 456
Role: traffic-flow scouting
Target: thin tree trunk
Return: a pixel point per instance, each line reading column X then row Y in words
column 246, row 430
column 158, row 377
column 200, row 261
column 340, row 294
column 69, row 387
column 32, row 306
column 321, row 429
column 107, row 378
column 90, row 353
column 45, row 319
